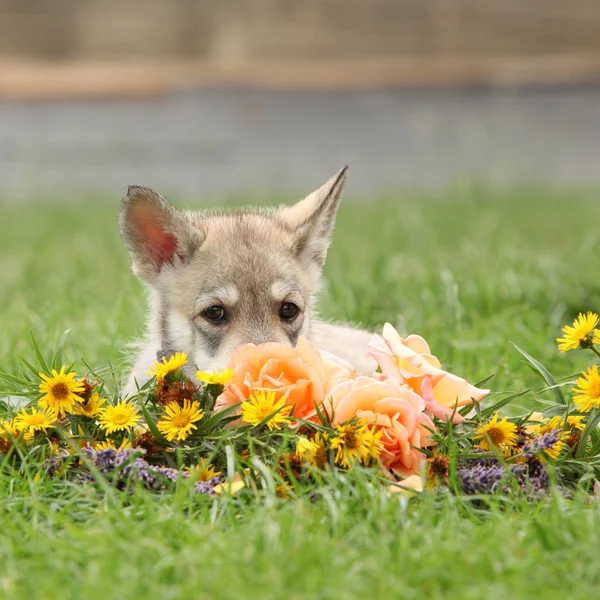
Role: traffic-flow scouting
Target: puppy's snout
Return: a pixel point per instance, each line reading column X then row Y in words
column 264, row 337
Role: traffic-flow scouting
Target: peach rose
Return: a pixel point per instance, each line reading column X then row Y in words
column 395, row 409
column 301, row 375
column 410, row 361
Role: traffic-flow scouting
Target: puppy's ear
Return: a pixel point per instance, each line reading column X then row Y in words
column 155, row 232
column 311, row 220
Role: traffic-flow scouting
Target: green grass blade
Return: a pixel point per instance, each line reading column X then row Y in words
column 38, row 353
column 539, row 369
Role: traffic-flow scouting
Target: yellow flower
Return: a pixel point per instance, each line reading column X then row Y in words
column 546, row 427
column 90, row 408
column 559, row 423
column 161, row 370
column 587, row 395
column 502, row 435
column 60, row 391
column 179, row 420
column 110, row 445
column 36, row 420
column 321, row 453
column 215, row 377
column 305, row 449
column 581, row 334
column 119, row 417
column 9, row 429
column 556, row 423
column 438, row 467
column 262, row 405
column 283, row 491
column 8, row 433
column 355, row 441
column 314, row 451
column 203, row 471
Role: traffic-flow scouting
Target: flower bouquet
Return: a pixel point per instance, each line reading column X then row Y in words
column 285, row 419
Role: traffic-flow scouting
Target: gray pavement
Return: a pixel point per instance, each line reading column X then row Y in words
column 210, row 143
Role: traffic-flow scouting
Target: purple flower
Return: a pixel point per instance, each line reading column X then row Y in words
column 480, row 479
column 118, row 464
column 541, row 444
column 208, row 487
column 487, row 476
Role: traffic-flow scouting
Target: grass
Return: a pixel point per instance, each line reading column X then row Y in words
column 471, row 270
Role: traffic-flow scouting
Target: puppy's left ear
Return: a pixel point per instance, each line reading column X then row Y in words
column 311, row 220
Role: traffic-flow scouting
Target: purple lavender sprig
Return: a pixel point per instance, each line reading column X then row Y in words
column 541, row 444
column 480, row 478
column 110, row 462
column 487, row 476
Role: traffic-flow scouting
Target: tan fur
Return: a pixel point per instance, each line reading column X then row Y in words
column 248, row 262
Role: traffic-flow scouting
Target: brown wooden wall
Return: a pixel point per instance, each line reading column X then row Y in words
column 234, row 31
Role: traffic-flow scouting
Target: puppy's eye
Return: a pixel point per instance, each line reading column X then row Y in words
column 288, row 311
column 214, row 314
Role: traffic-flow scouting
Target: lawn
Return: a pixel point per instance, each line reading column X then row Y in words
column 472, row 270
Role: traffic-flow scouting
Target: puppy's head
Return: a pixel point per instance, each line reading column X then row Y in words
column 222, row 280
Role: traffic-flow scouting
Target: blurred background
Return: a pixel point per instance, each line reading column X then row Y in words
column 471, row 127
column 202, row 98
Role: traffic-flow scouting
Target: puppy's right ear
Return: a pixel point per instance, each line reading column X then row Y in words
column 155, row 232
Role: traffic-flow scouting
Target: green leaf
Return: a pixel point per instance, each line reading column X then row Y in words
column 484, row 381
column 36, row 372
column 539, row 369
column 38, row 353
column 490, row 410
column 219, row 419
column 58, row 354
column 585, row 434
column 152, row 425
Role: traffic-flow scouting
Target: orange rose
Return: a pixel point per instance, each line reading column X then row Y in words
column 395, row 410
column 301, row 375
column 410, row 361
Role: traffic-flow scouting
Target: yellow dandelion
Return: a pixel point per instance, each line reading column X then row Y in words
column 90, row 408
column 161, row 369
column 262, row 405
column 110, row 445
column 283, row 491
column 373, row 443
column 203, row 471
column 553, row 451
column 36, row 420
column 558, row 422
column 8, row 433
column 438, row 467
column 581, row 335
column 587, row 395
column 501, row 434
column 576, row 423
column 119, row 417
column 60, row 391
column 305, row 449
column 215, row 377
column 9, row 429
column 179, row 420
column 355, row 441
column 321, row 454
